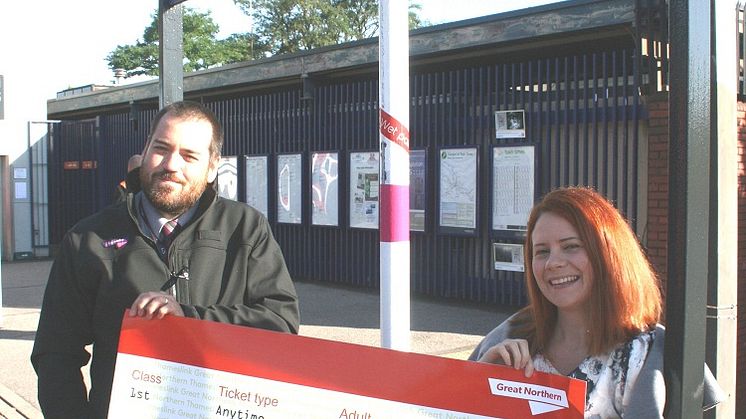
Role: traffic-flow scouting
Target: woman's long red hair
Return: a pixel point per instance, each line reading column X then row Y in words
column 625, row 298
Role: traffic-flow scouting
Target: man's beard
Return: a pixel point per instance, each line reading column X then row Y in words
column 167, row 200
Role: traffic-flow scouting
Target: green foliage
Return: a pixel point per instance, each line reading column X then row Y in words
column 280, row 26
column 242, row 47
column 201, row 47
column 295, row 25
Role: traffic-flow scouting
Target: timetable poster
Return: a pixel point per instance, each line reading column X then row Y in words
column 179, row 367
column 512, row 187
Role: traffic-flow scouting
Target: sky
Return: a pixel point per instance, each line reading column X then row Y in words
column 65, row 43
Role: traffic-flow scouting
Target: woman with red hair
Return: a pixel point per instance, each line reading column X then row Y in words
column 594, row 307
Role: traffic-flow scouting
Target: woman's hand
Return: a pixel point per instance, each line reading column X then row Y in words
column 511, row 352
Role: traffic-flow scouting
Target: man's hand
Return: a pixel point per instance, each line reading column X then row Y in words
column 158, row 304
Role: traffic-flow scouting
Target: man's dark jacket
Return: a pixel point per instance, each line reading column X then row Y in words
column 237, row 275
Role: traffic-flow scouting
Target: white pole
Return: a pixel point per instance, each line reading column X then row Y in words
column 393, row 72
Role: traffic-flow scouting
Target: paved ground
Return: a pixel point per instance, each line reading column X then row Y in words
column 327, row 311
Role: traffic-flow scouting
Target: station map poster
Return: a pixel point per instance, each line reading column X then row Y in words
column 325, row 189
column 188, row 368
column 458, row 188
column 228, row 177
column 257, row 183
column 417, row 189
column 512, row 187
column 364, row 185
column 289, row 193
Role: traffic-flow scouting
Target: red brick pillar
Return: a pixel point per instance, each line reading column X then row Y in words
column 657, row 227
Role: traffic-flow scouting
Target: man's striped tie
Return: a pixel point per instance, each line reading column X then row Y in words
column 168, row 232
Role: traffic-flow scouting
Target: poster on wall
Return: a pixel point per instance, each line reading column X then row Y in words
column 458, row 188
column 507, row 257
column 364, row 183
column 21, row 190
column 228, row 177
column 325, row 189
column 417, row 189
column 512, row 187
column 510, row 124
column 289, row 193
column 19, row 173
column 257, row 183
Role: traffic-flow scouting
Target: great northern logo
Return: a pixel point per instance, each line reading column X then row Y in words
column 541, row 399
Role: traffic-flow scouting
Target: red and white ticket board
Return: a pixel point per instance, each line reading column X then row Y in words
column 187, row 368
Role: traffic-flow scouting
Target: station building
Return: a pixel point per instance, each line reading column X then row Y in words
column 503, row 109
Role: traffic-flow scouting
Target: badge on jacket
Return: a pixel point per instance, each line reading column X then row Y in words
column 117, row 243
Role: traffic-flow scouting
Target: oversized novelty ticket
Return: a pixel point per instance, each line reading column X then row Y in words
column 187, row 368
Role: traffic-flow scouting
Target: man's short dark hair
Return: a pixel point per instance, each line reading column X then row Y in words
column 188, row 109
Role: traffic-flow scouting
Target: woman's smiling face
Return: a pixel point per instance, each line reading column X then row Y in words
column 561, row 266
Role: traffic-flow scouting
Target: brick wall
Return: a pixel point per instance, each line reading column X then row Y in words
column 657, row 226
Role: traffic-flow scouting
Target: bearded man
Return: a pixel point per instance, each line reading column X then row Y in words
column 173, row 248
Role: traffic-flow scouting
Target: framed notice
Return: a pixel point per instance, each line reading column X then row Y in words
column 508, row 257
column 289, row 192
column 512, row 187
column 20, row 173
column 228, row 177
column 325, row 188
column 364, row 185
column 71, row 165
column 510, row 124
column 209, row 375
column 21, row 189
column 417, row 189
column 257, row 182
column 458, row 190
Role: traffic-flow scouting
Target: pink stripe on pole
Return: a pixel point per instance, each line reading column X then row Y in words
column 394, row 215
